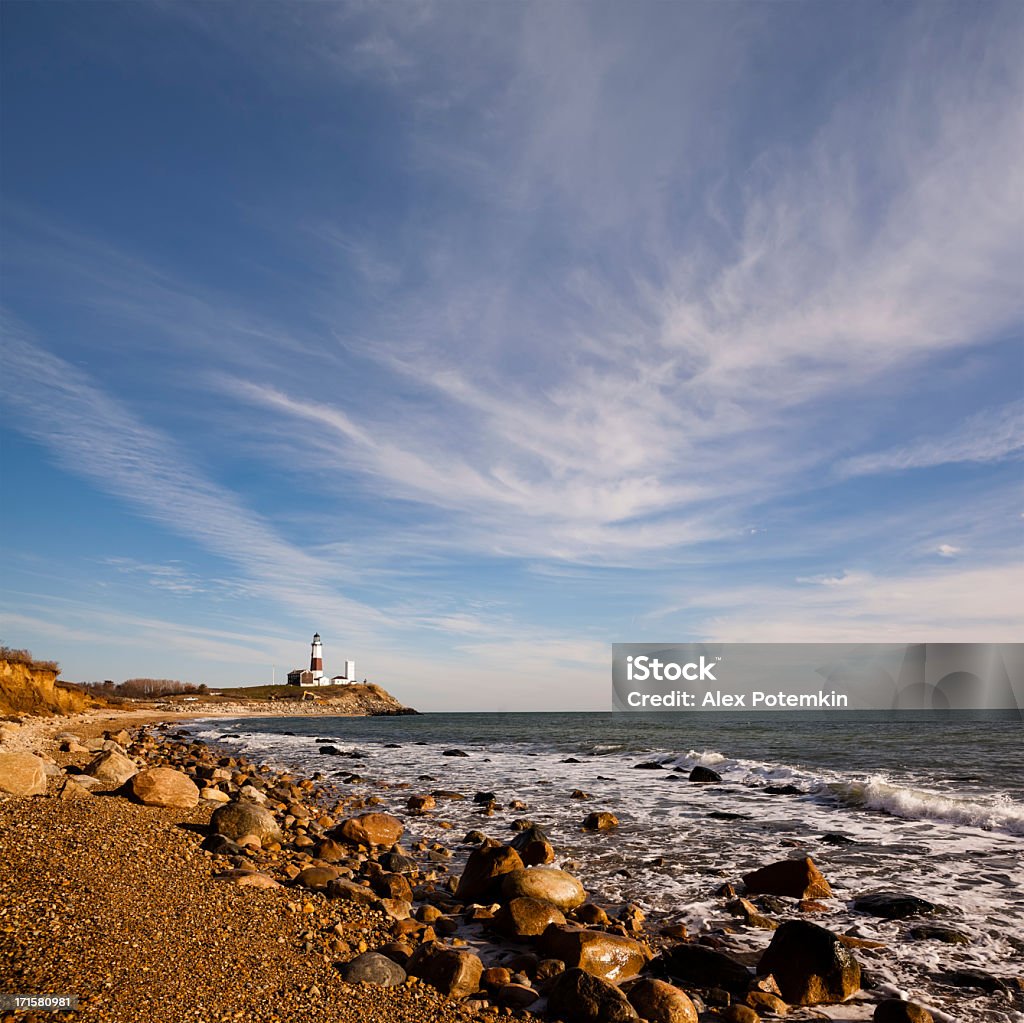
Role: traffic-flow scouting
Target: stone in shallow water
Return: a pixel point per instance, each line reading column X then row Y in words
column 894, row 905
column 810, row 964
column 704, row 775
column 578, row 997
column 797, row 879
column 700, row 966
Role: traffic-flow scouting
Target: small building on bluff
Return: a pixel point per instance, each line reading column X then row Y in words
column 314, row 674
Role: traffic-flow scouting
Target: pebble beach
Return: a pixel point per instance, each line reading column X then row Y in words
column 157, row 876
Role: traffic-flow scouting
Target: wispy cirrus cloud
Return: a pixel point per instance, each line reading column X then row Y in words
column 95, row 436
column 987, row 436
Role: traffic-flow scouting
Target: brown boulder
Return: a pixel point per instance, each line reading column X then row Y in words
column 547, row 883
column 453, row 972
column 526, row 918
column 579, row 997
column 316, row 878
column 798, row 879
column 349, row 891
column 163, row 786
column 611, row 957
column 22, row 774
column 112, row 769
column 237, row 820
column 392, row 886
column 419, row 804
column 371, row 829
column 810, row 964
column 484, row 869
column 658, row 1002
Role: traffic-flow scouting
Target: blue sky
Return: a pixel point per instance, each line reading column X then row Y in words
column 478, row 337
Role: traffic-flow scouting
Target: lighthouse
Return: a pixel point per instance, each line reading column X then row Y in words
column 316, row 658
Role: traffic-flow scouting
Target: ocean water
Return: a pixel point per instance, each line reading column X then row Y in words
column 930, row 805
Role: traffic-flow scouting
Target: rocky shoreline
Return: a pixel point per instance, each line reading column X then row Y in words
column 346, row 917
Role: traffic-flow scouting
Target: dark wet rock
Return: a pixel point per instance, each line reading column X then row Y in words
column 782, row 790
column 895, row 1010
column 894, row 905
column 396, row 863
column 578, row 997
column 810, row 964
column 474, row 838
column 972, row 978
column 649, row 765
column 484, row 798
column 704, row 775
column 704, row 967
column 835, row 838
column 932, row 932
column 795, row 879
column 330, row 751
column 570, row 760
column 454, row 753
column 725, row 815
column 533, row 846
column 484, row 870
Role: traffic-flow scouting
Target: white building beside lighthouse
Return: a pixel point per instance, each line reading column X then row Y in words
column 314, row 674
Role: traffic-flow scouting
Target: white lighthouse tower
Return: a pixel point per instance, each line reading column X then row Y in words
column 316, row 658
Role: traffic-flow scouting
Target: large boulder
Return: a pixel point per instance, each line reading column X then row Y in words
column 797, row 879
column 658, row 1002
column 163, row 786
column 526, row 918
column 371, row 829
column 236, row 820
column 547, row 883
column 484, row 869
column 112, row 769
column 453, row 972
column 700, row 966
column 704, row 775
column 810, row 964
column 579, row 997
column 22, row 774
column 372, row 968
column 611, row 957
